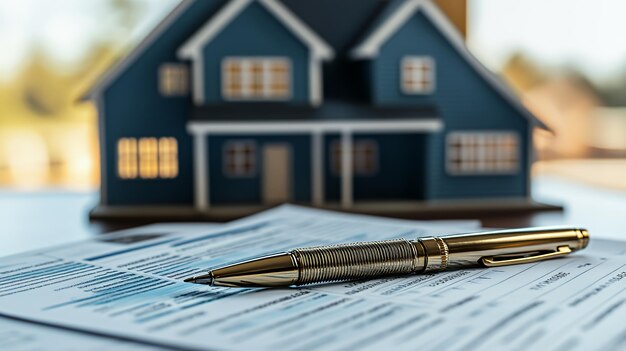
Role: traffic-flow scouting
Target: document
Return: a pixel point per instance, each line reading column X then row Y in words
column 25, row 336
column 17, row 335
column 132, row 289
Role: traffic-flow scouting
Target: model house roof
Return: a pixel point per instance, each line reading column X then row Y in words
column 319, row 48
column 325, row 25
column 335, row 31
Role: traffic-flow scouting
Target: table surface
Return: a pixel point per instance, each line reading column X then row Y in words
column 33, row 220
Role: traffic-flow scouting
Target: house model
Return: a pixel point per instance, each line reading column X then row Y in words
column 231, row 106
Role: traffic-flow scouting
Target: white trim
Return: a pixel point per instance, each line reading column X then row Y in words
column 319, row 47
column 294, row 127
column 198, row 82
column 315, row 81
column 346, row 169
column 317, row 168
column 370, row 47
column 201, row 168
column 191, row 47
column 112, row 74
column 234, row 7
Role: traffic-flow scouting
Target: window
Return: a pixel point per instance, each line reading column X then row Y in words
column 256, row 79
column 127, row 158
column 240, row 159
column 364, row 157
column 168, row 158
column 482, row 153
column 173, row 79
column 147, row 158
column 418, row 75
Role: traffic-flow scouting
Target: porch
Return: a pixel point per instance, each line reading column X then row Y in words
column 318, row 130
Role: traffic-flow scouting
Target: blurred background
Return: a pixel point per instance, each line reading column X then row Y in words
column 566, row 59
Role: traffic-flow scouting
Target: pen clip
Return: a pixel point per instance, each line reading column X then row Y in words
column 523, row 257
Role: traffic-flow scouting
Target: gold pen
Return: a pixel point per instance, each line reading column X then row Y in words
column 398, row 257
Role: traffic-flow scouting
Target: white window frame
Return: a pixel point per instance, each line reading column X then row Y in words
column 356, row 148
column 253, row 161
column 430, row 75
column 504, row 162
column 247, row 78
column 174, row 79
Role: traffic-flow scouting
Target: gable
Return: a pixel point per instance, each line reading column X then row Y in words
column 255, row 43
column 254, row 35
column 401, row 12
column 319, row 48
column 464, row 98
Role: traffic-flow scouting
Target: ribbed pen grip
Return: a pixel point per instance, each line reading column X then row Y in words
column 355, row 261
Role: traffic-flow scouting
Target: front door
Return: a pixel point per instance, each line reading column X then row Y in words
column 276, row 174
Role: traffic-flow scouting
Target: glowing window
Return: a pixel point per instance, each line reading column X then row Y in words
column 173, row 79
column 168, row 158
column 240, row 159
column 482, row 153
column 147, row 158
column 127, row 158
column 418, row 75
column 256, row 79
column 364, row 157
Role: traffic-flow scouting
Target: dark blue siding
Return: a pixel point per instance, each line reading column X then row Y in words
column 133, row 107
column 228, row 190
column 401, row 169
column 465, row 101
column 256, row 32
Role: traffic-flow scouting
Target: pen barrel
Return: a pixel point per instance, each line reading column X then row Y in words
column 467, row 249
column 357, row 261
column 399, row 257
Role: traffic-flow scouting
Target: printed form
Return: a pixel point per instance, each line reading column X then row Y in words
column 131, row 288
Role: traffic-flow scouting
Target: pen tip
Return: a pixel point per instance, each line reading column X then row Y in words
column 205, row 279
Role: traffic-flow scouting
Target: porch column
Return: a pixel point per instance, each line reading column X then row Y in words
column 317, row 168
column 201, row 172
column 346, row 169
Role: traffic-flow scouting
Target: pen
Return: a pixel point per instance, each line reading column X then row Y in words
column 398, row 257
